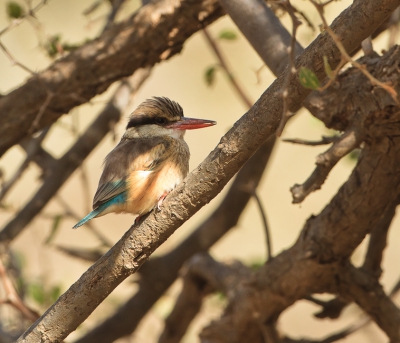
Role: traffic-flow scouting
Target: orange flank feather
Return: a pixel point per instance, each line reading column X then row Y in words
column 145, row 188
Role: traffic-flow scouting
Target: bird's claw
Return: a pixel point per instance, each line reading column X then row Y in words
column 160, row 201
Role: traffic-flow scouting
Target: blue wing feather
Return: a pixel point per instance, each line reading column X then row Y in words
column 119, row 199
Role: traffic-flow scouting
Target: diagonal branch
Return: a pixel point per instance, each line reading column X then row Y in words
column 159, row 273
column 205, row 182
column 349, row 141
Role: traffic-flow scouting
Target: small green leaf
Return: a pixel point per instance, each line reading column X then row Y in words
column 14, row 10
column 328, row 69
column 52, row 45
column 37, row 292
column 355, row 154
column 55, row 293
column 308, row 79
column 209, row 75
column 54, row 228
column 227, row 35
column 70, row 47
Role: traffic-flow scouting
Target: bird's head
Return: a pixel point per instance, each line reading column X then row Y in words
column 161, row 116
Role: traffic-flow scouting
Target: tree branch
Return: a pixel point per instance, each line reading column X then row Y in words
column 349, row 141
column 149, row 36
column 207, row 180
column 201, row 276
column 63, row 168
column 159, row 273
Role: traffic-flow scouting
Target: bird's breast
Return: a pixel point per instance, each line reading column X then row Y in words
column 146, row 187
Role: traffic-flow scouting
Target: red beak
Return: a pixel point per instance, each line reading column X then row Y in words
column 191, row 124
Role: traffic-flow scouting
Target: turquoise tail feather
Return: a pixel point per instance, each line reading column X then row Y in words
column 121, row 198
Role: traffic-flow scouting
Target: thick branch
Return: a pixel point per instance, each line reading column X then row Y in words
column 324, row 246
column 158, row 274
column 205, row 182
column 155, row 33
column 201, row 275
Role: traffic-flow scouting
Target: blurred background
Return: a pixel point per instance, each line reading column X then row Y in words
column 193, row 79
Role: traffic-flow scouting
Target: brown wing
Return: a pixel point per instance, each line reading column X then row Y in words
column 128, row 156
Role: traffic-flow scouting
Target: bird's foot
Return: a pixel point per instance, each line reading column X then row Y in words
column 137, row 220
column 160, row 201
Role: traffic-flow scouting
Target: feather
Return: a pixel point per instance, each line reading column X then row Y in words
column 136, row 155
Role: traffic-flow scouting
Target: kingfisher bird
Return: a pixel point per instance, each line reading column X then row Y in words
column 151, row 159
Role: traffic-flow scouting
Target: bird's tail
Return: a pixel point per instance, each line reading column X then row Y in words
column 91, row 215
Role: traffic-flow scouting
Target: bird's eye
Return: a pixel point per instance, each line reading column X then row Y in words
column 161, row 121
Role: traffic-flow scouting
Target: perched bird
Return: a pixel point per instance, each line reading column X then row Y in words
column 149, row 161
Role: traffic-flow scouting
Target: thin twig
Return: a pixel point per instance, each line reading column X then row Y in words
column 346, row 57
column 42, row 108
column 226, row 69
column 325, row 162
column 32, row 149
column 14, row 61
column 324, row 140
column 30, row 13
column 12, row 296
column 394, row 27
column 286, row 114
column 115, row 7
column 265, row 223
column 70, row 212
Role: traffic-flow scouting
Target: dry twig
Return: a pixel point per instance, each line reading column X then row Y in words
column 286, row 115
column 224, row 65
column 325, row 140
column 346, row 57
column 325, row 162
column 12, row 296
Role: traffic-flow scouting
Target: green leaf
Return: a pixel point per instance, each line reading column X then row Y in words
column 355, row 154
column 14, row 10
column 37, row 292
column 52, row 44
column 308, row 79
column 227, row 35
column 55, row 293
column 54, row 228
column 209, row 75
column 328, row 69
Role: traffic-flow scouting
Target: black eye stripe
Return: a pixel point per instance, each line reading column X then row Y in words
column 144, row 120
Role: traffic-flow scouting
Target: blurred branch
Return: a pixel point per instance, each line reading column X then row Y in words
column 121, row 45
column 265, row 224
column 68, row 210
column 63, row 168
column 115, row 7
column 30, row 13
column 32, row 148
column 201, row 275
column 12, row 296
column 224, row 65
column 14, row 61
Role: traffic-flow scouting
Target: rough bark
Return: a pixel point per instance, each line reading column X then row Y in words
column 206, row 181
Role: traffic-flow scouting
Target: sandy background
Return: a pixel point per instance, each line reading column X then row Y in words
column 181, row 79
